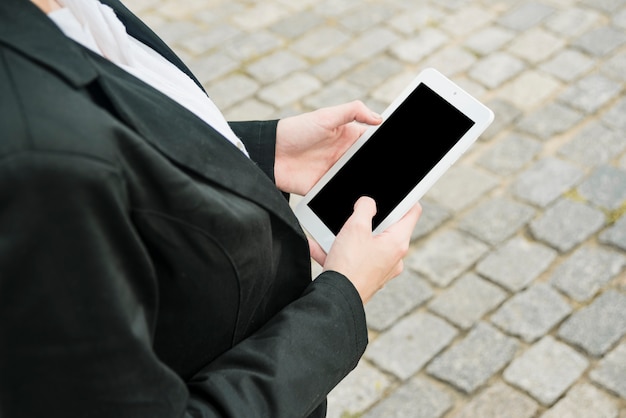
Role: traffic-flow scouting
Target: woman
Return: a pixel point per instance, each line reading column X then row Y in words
column 149, row 263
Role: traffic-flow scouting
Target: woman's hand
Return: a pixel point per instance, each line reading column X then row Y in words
column 307, row 145
column 368, row 261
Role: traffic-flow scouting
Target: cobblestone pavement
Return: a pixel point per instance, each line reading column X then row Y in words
column 513, row 302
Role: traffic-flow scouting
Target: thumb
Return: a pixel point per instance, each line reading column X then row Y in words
column 364, row 211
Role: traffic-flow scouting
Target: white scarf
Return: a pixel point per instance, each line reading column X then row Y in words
column 95, row 26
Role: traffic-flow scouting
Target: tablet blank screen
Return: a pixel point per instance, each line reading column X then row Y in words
column 406, row 146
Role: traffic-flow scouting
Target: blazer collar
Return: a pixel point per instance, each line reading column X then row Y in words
column 25, row 28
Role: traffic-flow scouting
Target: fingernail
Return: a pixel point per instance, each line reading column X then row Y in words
column 376, row 115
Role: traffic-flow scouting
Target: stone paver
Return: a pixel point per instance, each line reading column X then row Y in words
column 587, row 271
column 411, row 343
column 516, row 263
column 467, row 301
column 417, row 398
column 496, row 220
column 545, row 181
column 468, row 364
column 499, row 400
column 444, row 257
column 546, row 370
column 532, row 313
column 583, row 401
column 521, row 245
column 567, row 224
column 599, row 326
column 611, row 370
column 398, row 298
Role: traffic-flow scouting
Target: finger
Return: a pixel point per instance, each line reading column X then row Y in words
column 317, row 253
column 350, row 112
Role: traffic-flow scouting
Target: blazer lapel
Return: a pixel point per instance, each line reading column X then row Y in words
column 187, row 140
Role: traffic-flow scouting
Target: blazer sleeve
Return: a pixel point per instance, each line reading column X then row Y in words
column 78, row 304
column 259, row 137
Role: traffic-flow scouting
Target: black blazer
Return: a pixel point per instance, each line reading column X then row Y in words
column 147, row 267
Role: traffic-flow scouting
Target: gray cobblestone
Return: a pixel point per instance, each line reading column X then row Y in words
column 583, row 274
column 461, row 186
column 397, row 299
column 365, row 18
column 467, row 301
column 333, row 94
column 615, row 117
column 276, row 66
column 489, row 40
column 444, row 257
column 411, row 343
column 616, row 234
column 370, row 44
column 526, row 15
column 290, row 89
column 567, row 224
column 506, row 113
column 591, row 93
column 259, row 16
column 495, row 69
column 573, row 21
column 605, row 187
column 548, row 179
column 516, row 263
column 466, row 20
column 532, row 313
column 415, row 49
column 248, row 47
column 549, row 121
column 499, row 401
column 358, row 391
column 594, row 145
column 470, row 363
column 320, row 42
column 433, row 215
column 211, row 68
column 496, row 220
column 536, row 45
column 530, row 89
column 611, row 370
column 297, row 25
column 375, row 71
column 546, row 370
column 605, row 5
column 614, row 67
column 568, row 65
column 582, row 401
column 510, row 155
column 599, row 326
column 451, row 61
column 204, row 41
column 418, row 398
column 232, row 90
column 414, row 19
column 332, row 67
column 601, row 41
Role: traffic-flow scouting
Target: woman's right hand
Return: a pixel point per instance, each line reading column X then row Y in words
column 368, row 261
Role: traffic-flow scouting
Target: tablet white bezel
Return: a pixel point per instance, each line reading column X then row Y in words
column 453, row 94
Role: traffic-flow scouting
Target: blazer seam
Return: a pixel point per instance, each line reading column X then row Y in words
column 18, row 98
column 216, row 242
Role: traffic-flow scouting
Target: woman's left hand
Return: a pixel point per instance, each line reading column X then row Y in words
column 307, row 145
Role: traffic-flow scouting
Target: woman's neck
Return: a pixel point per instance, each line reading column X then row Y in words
column 47, row 6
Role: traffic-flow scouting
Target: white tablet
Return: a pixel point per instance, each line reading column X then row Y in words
column 424, row 131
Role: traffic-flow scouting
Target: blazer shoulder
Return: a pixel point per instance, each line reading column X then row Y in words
column 41, row 112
